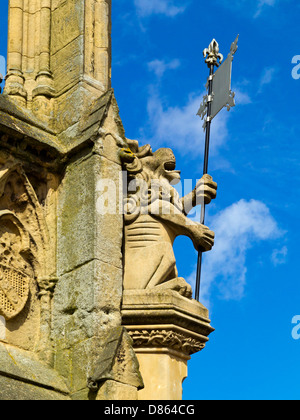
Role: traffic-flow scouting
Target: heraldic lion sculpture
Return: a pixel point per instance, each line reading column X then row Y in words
column 155, row 215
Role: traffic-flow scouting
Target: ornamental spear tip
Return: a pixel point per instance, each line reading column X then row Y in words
column 213, row 54
column 234, row 46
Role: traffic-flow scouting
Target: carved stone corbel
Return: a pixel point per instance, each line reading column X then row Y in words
column 180, row 342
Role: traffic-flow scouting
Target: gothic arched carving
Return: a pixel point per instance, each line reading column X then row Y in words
column 23, row 239
column 15, row 270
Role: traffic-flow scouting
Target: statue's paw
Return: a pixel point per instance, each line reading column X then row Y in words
column 183, row 288
column 179, row 285
column 204, row 238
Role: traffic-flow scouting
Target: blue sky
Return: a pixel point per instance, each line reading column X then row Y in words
column 250, row 280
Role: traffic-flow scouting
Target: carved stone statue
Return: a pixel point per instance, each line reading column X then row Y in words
column 155, row 215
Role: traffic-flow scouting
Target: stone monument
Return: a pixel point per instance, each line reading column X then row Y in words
column 91, row 304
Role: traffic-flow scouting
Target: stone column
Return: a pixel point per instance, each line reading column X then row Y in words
column 44, row 76
column 102, row 42
column 45, row 349
column 15, row 79
column 59, row 57
column 163, row 371
column 43, row 91
column 166, row 329
column 31, row 40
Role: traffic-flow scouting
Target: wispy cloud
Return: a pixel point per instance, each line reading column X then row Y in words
column 159, row 67
column 279, row 256
column 253, row 8
column 168, row 8
column 267, row 77
column 261, row 5
column 238, row 228
column 179, row 127
column 242, row 97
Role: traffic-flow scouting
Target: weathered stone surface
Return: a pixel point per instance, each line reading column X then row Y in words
column 75, row 364
column 23, row 377
column 117, row 362
column 83, row 233
column 68, row 23
column 68, row 72
column 86, row 302
column 115, row 391
column 86, row 306
column 19, row 390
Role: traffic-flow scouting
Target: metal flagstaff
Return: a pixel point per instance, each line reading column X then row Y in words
column 219, row 95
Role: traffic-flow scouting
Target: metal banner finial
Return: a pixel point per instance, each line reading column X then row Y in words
column 234, row 46
column 213, row 54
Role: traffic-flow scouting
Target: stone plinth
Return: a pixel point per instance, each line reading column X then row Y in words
column 166, row 330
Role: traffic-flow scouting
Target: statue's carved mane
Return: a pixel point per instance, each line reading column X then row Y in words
column 145, row 184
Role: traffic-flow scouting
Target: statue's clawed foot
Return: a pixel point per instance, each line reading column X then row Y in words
column 179, row 285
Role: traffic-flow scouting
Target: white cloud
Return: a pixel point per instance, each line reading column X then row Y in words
column 267, row 77
column 279, row 256
column 253, row 8
column 159, row 67
column 237, row 229
column 241, row 97
column 262, row 4
column 180, row 128
column 168, row 8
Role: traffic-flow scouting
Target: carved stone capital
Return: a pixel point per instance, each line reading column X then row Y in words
column 47, row 285
column 165, row 319
column 164, row 338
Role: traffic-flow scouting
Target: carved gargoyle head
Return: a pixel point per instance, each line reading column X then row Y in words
column 163, row 165
column 158, row 165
